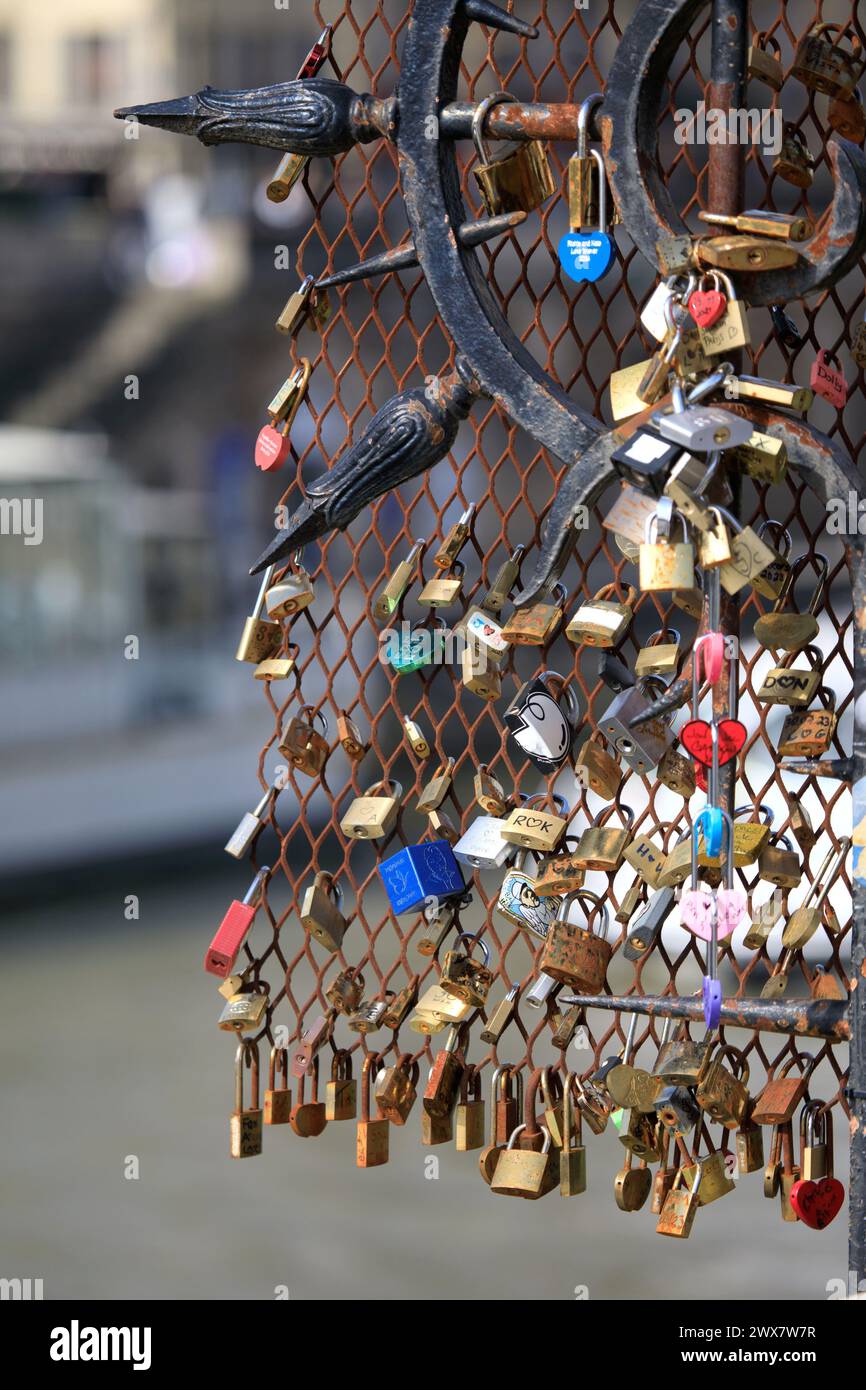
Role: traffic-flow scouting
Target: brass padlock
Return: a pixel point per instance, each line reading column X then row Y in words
column 537, row 624
column 538, row 830
column 320, row 912
column 399, row 1006
column 779, row 863
column 373, row 815
column 244, row 1012
column 345, row 992
column 559, row 873
column 759, row 388
column 373, row 1133
column 245, row 1126
column 436, row 789
column 715, row 1180
column 858, row 345
column 574, row 954
column 806, row 919
column 677, row 772
column 480, row 675
column 772, row 580
column 418, row 741
column 680, row 1059
column 290, row 594
column 489, row 792
column 809, row 733
column 595, row 768
column 341, row 1098
column 751, row 838
column 750, row 556
column 786, row 631
column 658, row 658
column 646, row 859
column 723, row 1095
column 763, row 457
column 714, row 544
column 466, row 978
column 794, row 162
column 666, row 565
column 792, row 685
column 602, row 622
column 601, row 849
column 396, row 1089
column 389, row 599
column 350, row 737
column 307, row 302
column 261, row 637
column 278, row 1099
column 745, row 253
column 766, row 66
column 469, row 1115
column 823, row 65
column 444, row 589
column 455, row 540
column 303, row 745
column 520, row 180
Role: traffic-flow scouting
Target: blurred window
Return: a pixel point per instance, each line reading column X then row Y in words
column 93, row 69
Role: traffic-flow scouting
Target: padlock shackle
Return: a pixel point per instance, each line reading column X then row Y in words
column 584, row 115
column 256, row 886
column 479, row 116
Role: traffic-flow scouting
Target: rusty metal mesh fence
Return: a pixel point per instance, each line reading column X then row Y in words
column 384, row 335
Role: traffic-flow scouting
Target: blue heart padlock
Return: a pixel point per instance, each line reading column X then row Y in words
column 709, row 823
column 586, row 255
column 589, row 255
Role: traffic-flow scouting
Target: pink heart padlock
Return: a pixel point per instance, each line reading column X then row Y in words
column 731, row 904
column 710, row 650
column 696, row 912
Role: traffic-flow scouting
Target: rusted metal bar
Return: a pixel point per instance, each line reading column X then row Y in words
column 726, row 92
column 806, row 1018
column 857, row 1012
column 513, row 121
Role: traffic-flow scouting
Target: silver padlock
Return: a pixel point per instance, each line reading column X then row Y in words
column 653, row 315
column 538, row 995
column 251, row 824
column 644, row 747
column 700, row 428
column 482, row 845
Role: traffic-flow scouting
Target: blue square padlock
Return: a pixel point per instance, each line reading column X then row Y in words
column 419, row 872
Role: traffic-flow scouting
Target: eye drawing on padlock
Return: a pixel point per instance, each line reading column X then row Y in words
column 539, row 726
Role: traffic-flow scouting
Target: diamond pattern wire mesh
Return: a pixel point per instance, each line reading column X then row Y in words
column 385, row 335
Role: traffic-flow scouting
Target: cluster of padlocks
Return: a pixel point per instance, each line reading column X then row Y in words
column 672, row 521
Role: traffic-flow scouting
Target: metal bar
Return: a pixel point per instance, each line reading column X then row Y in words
column 726, row 92
column 513, row 121
column 857, row 1012
column 805, row 1018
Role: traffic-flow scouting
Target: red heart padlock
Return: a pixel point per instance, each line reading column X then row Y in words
column 701, row 781
column 827, row 379
column 817, row 1203
column 272, row 449
column 697, row 739
column 707, row 307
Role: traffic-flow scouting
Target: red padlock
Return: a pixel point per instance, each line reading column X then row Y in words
column 273, row 445
column 272, row 449
column 826, row 379
column 707, row 306
column 223, row 951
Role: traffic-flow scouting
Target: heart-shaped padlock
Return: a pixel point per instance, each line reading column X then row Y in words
column 272, row 449
column 707, row 307
column 817, row 1203
column 696, row 737
column 586, row 255
column 696, row 912
column 731, row 903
